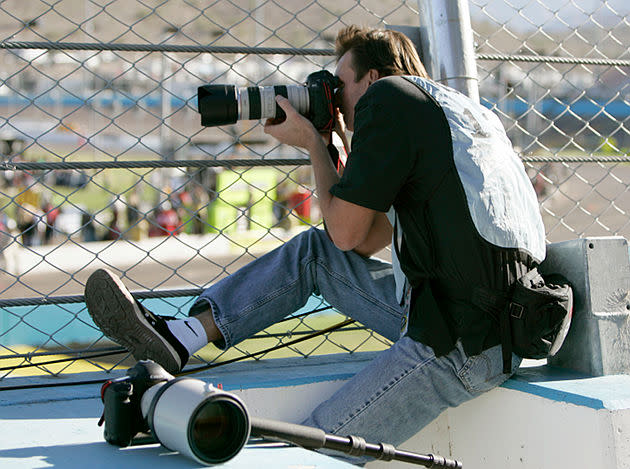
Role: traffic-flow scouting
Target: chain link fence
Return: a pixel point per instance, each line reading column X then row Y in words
column 104, row 161
column 557, row 72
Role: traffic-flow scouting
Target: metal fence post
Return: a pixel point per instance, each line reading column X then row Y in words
column 447, row 44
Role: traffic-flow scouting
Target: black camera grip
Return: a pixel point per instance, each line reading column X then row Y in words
column 121, row 414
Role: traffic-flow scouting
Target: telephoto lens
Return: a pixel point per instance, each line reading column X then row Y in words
column 227, row 104
column 196, row 419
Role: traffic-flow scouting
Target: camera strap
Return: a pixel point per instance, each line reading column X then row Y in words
column 106, row 384
column 334, row 154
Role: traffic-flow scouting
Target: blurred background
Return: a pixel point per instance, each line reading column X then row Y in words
column 127, row 178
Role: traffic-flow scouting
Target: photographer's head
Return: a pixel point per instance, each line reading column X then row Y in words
column 365, row 55
column 386, row 51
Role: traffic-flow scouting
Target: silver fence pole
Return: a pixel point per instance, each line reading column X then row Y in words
column 446, row 40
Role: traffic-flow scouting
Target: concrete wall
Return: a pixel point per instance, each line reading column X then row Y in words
column 572, row 413
column 542, row 418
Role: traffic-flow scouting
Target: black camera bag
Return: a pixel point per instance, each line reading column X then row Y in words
column 534, row 319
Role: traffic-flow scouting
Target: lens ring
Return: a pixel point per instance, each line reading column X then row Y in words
column 218, row 429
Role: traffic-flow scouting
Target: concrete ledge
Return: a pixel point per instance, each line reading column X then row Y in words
column 611, row 392
column 543, row 418
column 509, row 429
column 57, row 426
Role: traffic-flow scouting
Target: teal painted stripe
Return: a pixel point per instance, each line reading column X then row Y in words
column 603, row 392
column 553, row 394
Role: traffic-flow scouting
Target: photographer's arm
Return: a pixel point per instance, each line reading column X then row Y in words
column 379, row 236
column 348, row 224
column 380, row 233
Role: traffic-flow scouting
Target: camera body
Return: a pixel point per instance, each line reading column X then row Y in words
column 227, row 104
column 121, row 397
column 322, row 86
column 183, row 414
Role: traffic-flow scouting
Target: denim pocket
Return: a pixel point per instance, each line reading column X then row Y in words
column 483, row 372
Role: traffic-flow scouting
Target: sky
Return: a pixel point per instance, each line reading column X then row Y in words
column 552, row 14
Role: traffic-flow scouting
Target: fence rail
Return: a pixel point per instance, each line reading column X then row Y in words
column 103, row 161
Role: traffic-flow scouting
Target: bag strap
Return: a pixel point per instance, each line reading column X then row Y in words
column 498, row 306
column 506, row 339
column 501, row 307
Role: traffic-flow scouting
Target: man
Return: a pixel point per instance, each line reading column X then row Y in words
column 429, row 167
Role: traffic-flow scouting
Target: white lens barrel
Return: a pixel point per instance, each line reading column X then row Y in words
column 259, row 102
column 242, row 97
column 267, row 102
column 196, row 419
column 299, row 98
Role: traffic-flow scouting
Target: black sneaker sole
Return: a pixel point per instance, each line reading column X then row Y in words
column 114, row 310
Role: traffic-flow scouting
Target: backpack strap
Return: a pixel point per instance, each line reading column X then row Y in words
column 498, row 306
column 501, row 307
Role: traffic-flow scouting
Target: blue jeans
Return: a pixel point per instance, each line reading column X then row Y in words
column 397, row 394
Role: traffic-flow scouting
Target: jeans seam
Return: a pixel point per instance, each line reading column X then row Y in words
column 214, row 311
column 463, row 373
column 378, row 394
column 361, row 292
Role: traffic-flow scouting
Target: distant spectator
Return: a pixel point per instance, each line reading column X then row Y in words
column 134, row 218
column 28, row 215
column 88, row 230
column 281, row 205
column 28, row 218
column 186, row 212
column 5, row 239
column 300, row 203
column 51, row 214
column 201, row 200
column 113, row 228
column 168, row 220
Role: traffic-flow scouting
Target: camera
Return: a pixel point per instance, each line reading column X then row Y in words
column 227, row 104
column 212, row 426
column 184, row 414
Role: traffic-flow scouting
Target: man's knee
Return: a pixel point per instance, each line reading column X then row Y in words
column 309, row 239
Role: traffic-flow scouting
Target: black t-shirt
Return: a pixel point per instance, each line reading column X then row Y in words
column 402, row 155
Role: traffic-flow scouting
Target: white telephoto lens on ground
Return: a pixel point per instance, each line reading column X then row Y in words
column 191, row 416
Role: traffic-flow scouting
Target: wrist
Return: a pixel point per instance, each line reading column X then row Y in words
column 315, row 141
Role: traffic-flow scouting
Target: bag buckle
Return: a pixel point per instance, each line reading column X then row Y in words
column 516, row 310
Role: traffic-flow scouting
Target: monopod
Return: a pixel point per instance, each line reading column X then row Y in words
column 315, row 438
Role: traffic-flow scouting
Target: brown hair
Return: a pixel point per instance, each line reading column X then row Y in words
column 388, row 52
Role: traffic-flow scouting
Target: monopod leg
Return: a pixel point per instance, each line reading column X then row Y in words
column 315, row 438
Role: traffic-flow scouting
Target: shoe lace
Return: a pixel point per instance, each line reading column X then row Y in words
column 148, row 312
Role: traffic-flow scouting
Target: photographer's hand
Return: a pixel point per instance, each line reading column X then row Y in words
column 340, row 130
column 295, row 130
column 348, row 224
